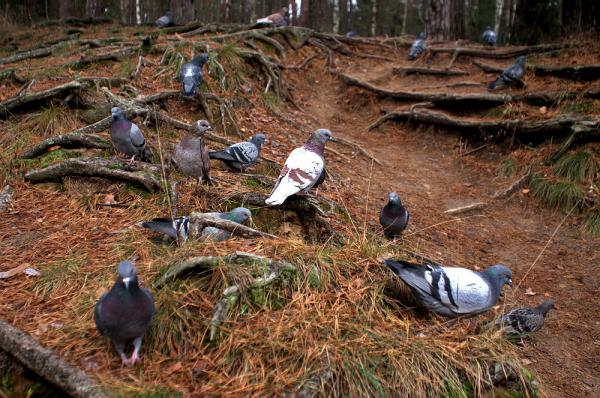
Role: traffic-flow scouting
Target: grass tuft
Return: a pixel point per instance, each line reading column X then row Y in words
column 577, row 167
column 508, row 167
column 557, row 194
column 592, row 223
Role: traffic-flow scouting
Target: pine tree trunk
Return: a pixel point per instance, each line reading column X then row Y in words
column 374, row 18
column 498, row 15
column 336, row 16
column 405, row 15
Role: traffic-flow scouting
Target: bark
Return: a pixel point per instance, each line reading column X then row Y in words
column 200, row 220
column 70, row 141
column 47, row 364
column 504, row 53
column 143, row 174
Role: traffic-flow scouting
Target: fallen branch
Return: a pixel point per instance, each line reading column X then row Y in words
column 6, row 196
column 512, row 188
column 30, row 98
column 464, row 209
column 198, row 221
column 69, row 141
column 302, row 64
column 144, row 174
column 494, row 127
column 405, row 71
column 47, row 364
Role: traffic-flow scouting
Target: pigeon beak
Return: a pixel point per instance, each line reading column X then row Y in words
column 126, row 282
column 333, row 139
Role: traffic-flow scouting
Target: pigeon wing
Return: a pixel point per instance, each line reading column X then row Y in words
column 136, row 137
column 300, row 172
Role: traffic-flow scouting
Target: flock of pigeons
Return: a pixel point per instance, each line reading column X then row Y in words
column 125, row 312
column 510, row 77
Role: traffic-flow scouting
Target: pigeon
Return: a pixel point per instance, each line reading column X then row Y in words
column 303, row 168
column 351, row 33
column 241, row 155
column 280, row 18
column 393, row 217
column 191, row 74
column 127, row 137
column 179, row 227
column 453, row 291
column 417, row 47
column 191, row 155
column 525, row 320
column 124, row 313
column 165, row 21
column 489, row 36
column 510, row 76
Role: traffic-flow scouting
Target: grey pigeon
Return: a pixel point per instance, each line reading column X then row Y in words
column 453, row 291
column 127, row 137
column 191, row 74
column 179, row 227
column 489, row 36
column 165, row 21
column 241, row 155
column 302, row 170
column 511, row 76
column 124, row 313
column 393, row 217
column 280, row 18
column 351, row 33
column 417, row 48
column 525, row 320
column 191, row 154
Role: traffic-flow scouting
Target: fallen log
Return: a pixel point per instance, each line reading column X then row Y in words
column 140, row 173
column 467, row 208
column 500, row 53
column 69, row 141
column 559, row 124
column 29, row 98
column 405, row 71
column 198, row 221
column 44, row 362
column 583, row 73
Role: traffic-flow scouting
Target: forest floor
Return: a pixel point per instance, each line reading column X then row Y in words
column 75, row 232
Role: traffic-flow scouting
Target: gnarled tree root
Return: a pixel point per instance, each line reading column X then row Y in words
column 200, row 220
column 405, row 71
column 28, row 98
column 144, row 174
column 70, row 141
column 47, row 364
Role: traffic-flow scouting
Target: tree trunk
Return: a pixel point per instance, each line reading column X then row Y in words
column 498, row 15
column 405, row 15
column 374, row 18
column 336, row 15
column 436, row 20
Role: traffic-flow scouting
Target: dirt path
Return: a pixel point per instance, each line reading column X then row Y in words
column 425, row 169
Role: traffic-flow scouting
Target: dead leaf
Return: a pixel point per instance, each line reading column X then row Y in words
column 525, row 191
column 14, row 271
column 543, row 110
column 176, row 367
column 109, row 199
column 530, row 292
column 527, row 362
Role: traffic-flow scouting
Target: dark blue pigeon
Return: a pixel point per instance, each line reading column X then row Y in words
column 511, row 76
column 525, row 320
column 191, row 74
column 453, row 291
column 127, row 137
column 489, row 36
column 393, row 217
column 191, row 154
column 124, row 313
column 241, row 155
column 417, row 47
column 179, row 227
column 165, row 21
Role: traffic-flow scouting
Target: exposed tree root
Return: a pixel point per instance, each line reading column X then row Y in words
column 487, row 68
column 316, row 227
column 112, row 56
column 499, row 53
column 494, row 127
column 11, row 75
column 144, row 174
column 584, row 73
column 26, row 98
column 520, row 182
column 405, row 71
column 37, row 53
column 198, row 221
column 354, row 145
column 467, row 208
column 47, row 364
column 6, row 196
column 70, row 141
column 581, row 132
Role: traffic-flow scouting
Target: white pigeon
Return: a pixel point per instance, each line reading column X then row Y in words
column 302, row 169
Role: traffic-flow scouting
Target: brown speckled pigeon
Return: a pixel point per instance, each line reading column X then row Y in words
column 453, row 291
column 241, row 155
column 303, row 168
column 127, row 137
column 280, row 18
column 191, row 154
column 525, row 320
column 393, row 217
column 124, row 313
